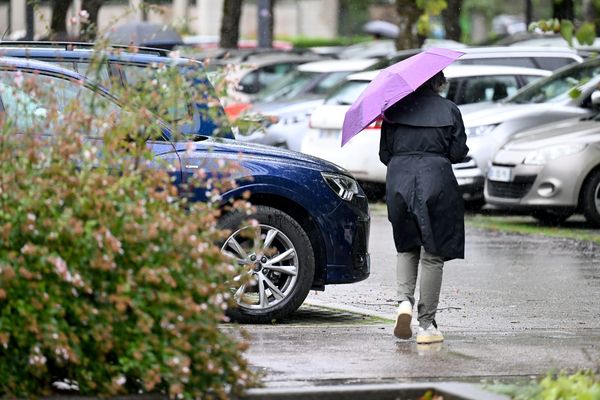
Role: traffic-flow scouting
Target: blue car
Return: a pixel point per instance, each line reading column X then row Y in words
column 121, row 66
column 312, row 212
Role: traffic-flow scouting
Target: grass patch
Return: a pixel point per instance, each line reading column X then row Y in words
column 525, row 225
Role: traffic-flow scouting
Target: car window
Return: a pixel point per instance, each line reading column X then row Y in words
column 552, row 63
column 98, row 74
column 29, row 98
column 530, row 78
column 485, row 88
column 270, row 73
column 288, row 87
column 559, row 86
column 174, row 104
column 347, row 93
column 249, row 83
column 329, row 82
column 509, row 61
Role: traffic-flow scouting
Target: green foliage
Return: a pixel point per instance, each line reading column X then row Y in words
column 582, row 385
column 305, row 42
column 585, row 33
column 430, row 8
column 110, row 281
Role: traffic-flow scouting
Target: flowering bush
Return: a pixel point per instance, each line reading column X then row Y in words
column 110, row 281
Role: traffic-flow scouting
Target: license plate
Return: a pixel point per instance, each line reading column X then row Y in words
column 329, row 134
column 500, row 174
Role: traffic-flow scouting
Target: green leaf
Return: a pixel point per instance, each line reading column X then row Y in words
column 574, row 93
column 586, row 33
column 566, row 30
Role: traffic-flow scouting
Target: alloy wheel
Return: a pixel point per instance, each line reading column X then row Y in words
column 269, row 264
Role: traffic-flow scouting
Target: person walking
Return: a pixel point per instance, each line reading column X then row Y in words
column 421, row 136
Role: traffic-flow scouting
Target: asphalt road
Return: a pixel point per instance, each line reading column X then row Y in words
column 516, row 307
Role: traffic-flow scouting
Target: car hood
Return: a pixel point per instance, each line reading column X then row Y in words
column 566, row 132
column 244, row 151
column 502, row 112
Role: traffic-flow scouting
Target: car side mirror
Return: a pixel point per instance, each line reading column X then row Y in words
column 596, row 98
column 249, row 88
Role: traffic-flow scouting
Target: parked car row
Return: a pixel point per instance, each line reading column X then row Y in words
column 312, row 215
column 466, row 84
column 538, row 100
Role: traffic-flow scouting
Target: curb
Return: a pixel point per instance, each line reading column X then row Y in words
column 395, row 391
column 350, row 309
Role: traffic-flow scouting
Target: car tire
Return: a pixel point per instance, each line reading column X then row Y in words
column 280, row 284
column 590, row 199
column 551, row 217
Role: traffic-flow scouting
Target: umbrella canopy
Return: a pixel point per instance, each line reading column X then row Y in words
column 382, row 28
column 147, row 34
column 393, row 84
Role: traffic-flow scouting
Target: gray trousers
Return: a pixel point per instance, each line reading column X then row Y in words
column 430, row 284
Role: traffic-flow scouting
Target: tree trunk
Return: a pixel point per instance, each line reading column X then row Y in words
column 451, row 18
column 91, row 27
column 230, row 24
column 58, row 22
column 563, row 9
column 272, row 21
column 408, row 13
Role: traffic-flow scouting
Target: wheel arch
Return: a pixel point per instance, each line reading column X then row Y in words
column 303, row 218
column 584, row 182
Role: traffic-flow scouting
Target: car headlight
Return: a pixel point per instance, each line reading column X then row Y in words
column 540, row 157
column 481, row 130
column 343, row 185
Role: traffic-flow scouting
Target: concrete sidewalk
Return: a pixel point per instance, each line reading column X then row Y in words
column 352, row 349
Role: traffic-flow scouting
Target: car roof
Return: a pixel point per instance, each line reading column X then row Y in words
column 81, row 51
column 42, row 66
column 35, row 65
column 456, row 71
column 519, row 51
column 262, row 58
column 337, row 65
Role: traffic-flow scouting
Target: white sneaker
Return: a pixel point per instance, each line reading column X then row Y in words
column 429, row 335
column 402, row 328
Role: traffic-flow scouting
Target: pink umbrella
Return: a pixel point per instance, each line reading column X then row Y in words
column 393, row 84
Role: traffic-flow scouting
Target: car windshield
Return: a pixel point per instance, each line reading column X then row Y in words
column 288, row 87
column 347, row 93
column 560, row 86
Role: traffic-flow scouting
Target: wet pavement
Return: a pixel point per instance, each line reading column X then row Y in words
column 517, row 307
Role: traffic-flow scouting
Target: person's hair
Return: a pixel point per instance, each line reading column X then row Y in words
column 436, row 82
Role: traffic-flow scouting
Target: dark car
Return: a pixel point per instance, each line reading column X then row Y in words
column 119, row 65
column 312, row 212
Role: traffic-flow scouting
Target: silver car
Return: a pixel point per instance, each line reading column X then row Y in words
column 563, row 95
column 552, row 171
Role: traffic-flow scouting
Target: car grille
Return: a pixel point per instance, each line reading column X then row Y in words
column 516, row 189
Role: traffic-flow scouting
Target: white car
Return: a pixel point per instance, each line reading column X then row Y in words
column 550, row 58
column 360, row 156
column 565, row 94
column 288, row 102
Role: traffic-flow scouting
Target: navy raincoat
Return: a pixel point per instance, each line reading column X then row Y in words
column 421, row 136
